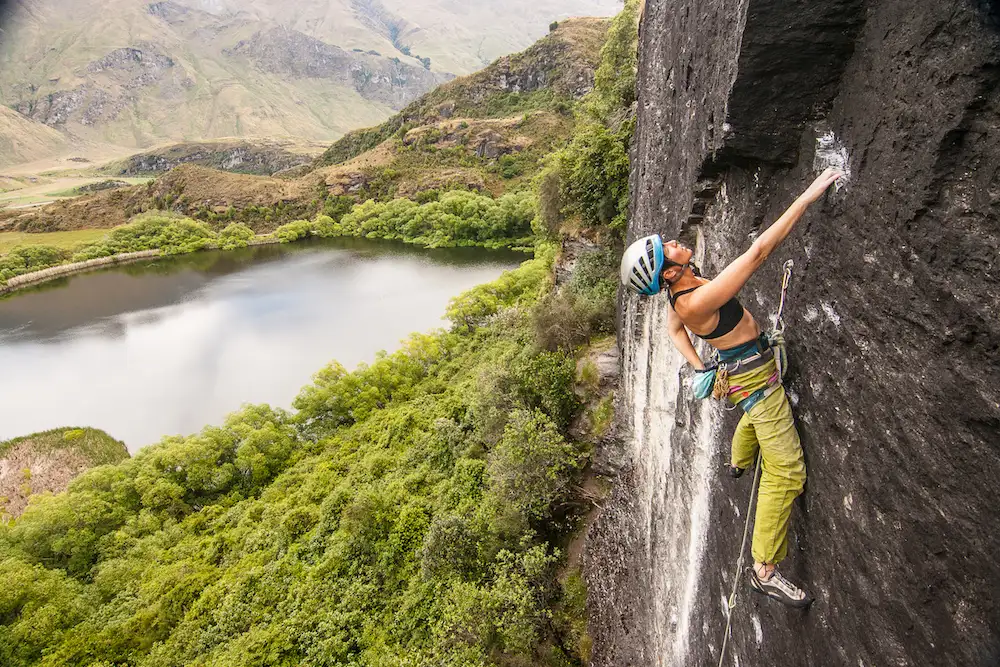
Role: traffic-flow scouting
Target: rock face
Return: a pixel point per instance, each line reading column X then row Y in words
column 123, row 75
column 893, row 334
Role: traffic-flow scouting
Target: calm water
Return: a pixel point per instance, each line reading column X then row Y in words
column 166, row 347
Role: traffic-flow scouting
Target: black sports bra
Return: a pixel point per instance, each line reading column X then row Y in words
column 729, row 315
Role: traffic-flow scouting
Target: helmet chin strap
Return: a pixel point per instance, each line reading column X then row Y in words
column 688, row 265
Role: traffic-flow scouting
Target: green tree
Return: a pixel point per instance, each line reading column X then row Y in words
column 531, row 469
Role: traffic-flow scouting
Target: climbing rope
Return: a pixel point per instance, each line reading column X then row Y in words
column 739, row 562
column 777, row 340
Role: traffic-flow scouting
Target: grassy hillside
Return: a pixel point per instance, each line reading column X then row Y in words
column 123, row 73
column 22, row 139
column 488, row 132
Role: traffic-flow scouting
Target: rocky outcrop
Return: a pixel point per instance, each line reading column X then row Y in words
column 562, row 64
column 292, row 53
column 47, row 462
column 893, row 335
column 124, row 73
column 239, row 157
column 101, row 185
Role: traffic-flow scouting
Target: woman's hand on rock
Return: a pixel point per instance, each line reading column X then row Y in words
column 820, row 185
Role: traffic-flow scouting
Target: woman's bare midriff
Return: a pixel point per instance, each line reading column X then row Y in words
column 747, row 329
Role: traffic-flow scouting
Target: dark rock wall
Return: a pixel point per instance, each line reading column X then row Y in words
column 894, row 334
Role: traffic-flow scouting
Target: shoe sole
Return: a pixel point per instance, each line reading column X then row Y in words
column 797, row 604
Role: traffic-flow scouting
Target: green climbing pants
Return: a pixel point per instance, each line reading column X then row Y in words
column 769, row 427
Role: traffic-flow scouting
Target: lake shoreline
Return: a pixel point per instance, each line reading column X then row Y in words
column 73, row 268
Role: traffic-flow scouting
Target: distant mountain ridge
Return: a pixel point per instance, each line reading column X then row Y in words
column 136, row 74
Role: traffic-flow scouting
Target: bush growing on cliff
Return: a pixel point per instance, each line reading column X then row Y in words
column 589, row 177
column 595, row 171
column 583, row 308
column 530, row 468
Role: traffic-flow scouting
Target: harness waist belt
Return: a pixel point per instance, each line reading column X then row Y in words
column 748, row 363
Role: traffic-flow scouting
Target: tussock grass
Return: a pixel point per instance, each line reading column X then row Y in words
column 67, row 240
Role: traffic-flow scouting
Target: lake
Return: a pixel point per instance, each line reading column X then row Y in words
column 168, row 346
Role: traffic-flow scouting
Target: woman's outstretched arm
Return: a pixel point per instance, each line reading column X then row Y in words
column 724, row 287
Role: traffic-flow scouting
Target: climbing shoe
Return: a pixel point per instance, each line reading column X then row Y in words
column 734, row 472
column 780, row 589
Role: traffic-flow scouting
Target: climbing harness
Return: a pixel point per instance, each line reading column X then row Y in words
column 749, row 356
column 776, row 341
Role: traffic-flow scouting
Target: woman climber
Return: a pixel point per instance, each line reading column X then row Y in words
column 710, row 310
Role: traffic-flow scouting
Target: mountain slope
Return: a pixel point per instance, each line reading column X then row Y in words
column 22, row 139
column 135, row 74
column 488, row 132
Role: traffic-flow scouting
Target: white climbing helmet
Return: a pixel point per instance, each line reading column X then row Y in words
column 641, row 265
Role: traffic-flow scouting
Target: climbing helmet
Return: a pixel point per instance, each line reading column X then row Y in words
column 641, row 265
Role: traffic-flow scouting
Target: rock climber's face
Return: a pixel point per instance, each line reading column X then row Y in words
column 677, row 253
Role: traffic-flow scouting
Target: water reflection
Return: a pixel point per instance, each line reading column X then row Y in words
column 169, row 346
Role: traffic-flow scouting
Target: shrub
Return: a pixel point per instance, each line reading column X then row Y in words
column 235, row 235
column 324, row 226
column 509, row 166
column 25, row 259
column 595, row 285
column 294, row 231
column 560, row 322
column 553, row 26
column 505, row 614
column 531, row 468
column 550, row 204
column 337, row 206
column 594, row 175
column 449, row 549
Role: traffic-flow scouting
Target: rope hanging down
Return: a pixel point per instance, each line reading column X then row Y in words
column 779, row 329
